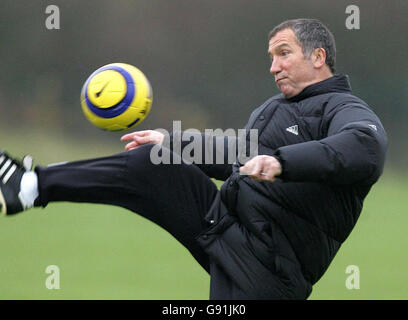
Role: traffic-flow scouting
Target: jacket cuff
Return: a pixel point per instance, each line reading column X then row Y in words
column 278, row 157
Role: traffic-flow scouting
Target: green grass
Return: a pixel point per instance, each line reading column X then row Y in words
column 377, row 245
column 104, row 252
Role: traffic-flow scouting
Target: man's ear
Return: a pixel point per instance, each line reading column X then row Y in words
column 319, row 57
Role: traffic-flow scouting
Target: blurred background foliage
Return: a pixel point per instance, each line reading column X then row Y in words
column 207, row 63
column 206, row 59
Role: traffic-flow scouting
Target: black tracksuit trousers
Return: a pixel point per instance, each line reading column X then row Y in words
column 176, row 196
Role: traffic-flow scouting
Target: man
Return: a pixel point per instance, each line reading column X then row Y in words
column 280, row 218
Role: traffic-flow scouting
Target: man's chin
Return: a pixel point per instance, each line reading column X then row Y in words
column 288, row 95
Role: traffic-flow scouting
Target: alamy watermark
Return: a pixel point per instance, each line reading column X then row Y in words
column 353, row 280
column 53, row 20
column 353, row 20
column 214, row 147
column 53, row 280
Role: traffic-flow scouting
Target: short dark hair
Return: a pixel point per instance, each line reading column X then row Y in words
column 311, row 34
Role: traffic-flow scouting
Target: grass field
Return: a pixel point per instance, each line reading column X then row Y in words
column 105, row 252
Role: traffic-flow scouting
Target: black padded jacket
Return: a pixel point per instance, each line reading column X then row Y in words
column 274, row 240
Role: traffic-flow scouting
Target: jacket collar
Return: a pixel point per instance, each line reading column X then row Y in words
column 337, row 83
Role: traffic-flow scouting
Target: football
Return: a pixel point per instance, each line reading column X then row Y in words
column 116, row 97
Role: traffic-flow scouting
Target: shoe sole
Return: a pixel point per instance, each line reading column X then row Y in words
column 3, row 204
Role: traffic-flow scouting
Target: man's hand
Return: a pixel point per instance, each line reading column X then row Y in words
column 262, row 168
column 140, row 138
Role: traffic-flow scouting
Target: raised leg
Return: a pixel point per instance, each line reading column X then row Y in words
column 174, row 196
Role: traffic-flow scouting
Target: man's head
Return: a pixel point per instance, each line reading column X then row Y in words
column 302, row 52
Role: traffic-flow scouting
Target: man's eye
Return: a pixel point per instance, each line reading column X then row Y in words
column 285, row 53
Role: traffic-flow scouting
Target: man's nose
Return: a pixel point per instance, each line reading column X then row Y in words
column 275, row 67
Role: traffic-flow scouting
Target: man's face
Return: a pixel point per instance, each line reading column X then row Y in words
column 292, row 70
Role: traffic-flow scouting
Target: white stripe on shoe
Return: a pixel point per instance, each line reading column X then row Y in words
column 5, row 166
column 9, row 173
column 3, row 204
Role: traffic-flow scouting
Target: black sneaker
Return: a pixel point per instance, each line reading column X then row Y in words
column 11, row 173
